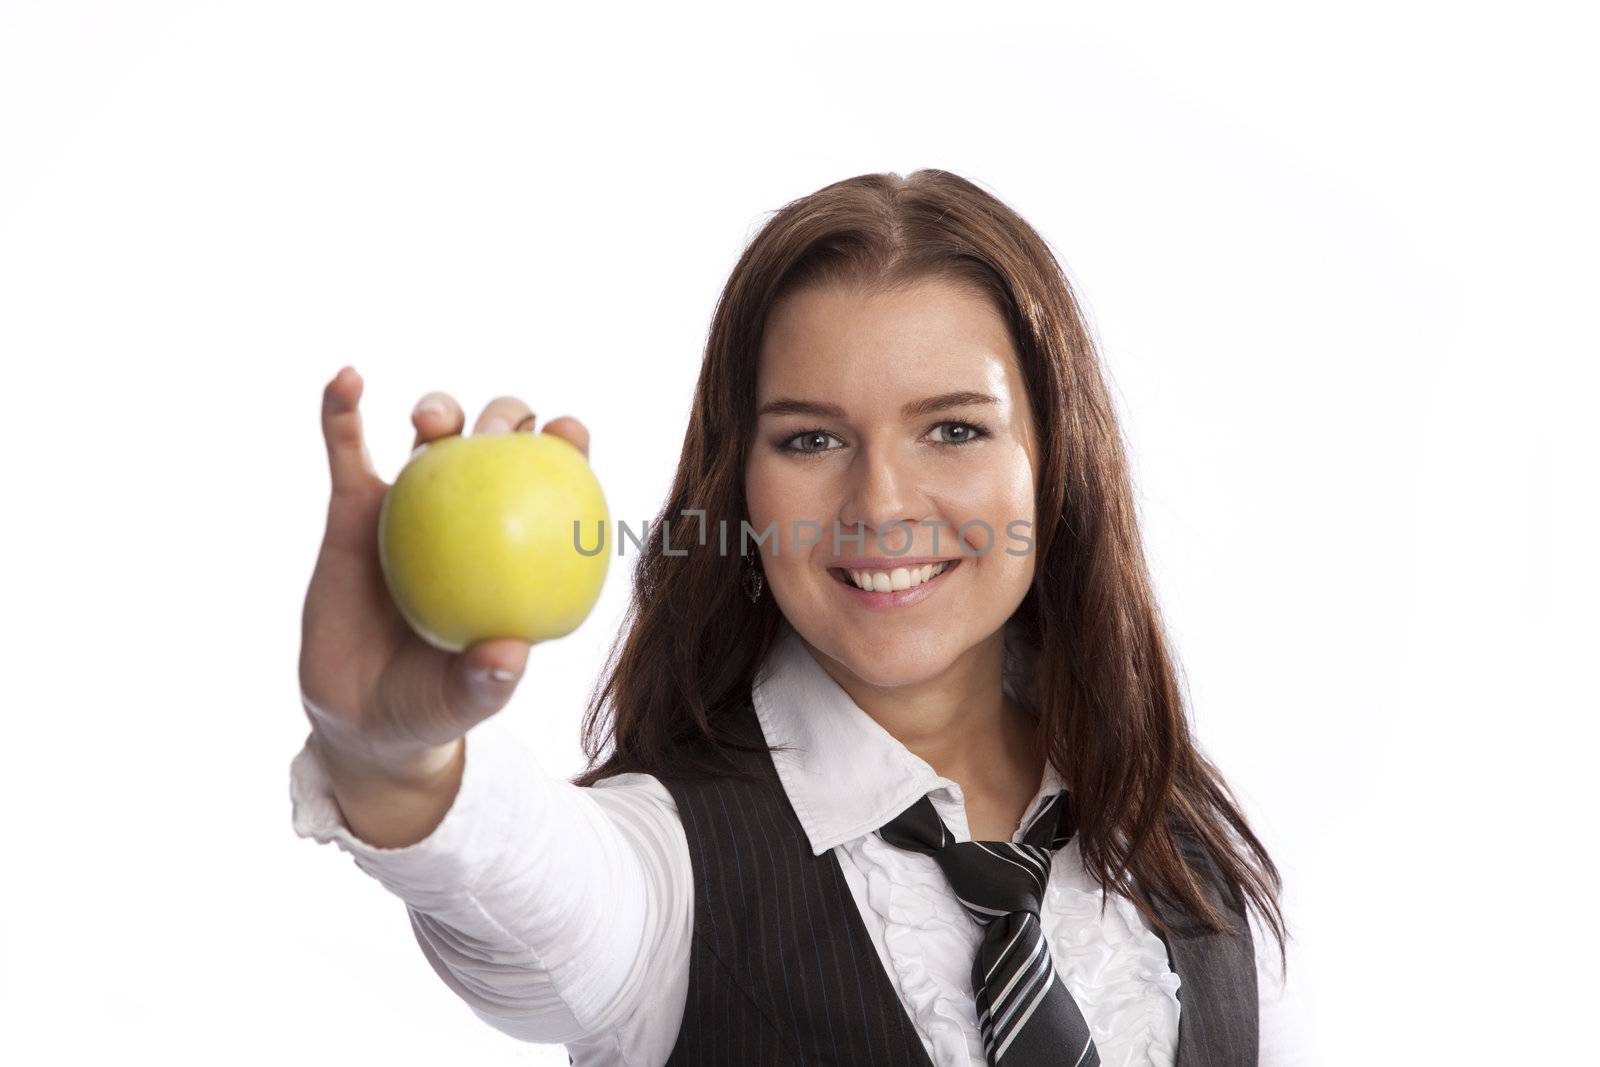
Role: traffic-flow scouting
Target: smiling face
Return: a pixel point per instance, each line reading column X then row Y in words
column 883, row 406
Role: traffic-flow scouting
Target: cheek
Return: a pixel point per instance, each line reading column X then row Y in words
column 1001, row 536
column 1014, row 502
column 998, row 494
column 777, row 497
column 763, row 491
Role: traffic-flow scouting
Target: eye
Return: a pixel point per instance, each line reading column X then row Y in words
column 815, row 441
column 809, row 441
column 961, row 433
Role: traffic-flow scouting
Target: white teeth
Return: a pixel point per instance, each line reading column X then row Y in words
column 899, row 578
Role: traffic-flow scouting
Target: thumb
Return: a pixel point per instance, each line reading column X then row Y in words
column 484, row 676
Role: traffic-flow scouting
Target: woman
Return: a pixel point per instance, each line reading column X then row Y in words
column 907, row 781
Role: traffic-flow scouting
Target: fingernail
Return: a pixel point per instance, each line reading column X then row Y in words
column 495, row 424
column 430, row 407
column 489, row 680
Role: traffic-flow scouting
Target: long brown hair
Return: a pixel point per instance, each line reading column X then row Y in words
column 1111, row 716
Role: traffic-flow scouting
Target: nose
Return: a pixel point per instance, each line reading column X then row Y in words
column 881, row 492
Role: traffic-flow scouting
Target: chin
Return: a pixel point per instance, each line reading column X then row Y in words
column 887, row 660
column 882, row 676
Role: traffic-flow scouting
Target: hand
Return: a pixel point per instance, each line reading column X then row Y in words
column 379, row 697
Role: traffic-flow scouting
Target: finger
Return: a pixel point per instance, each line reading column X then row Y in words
column 486, row 674
column 501, row 415
column 436, row 415
column 349, row 462
column 570, row 428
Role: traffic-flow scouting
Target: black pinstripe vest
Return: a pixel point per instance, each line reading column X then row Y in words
column 783, row 971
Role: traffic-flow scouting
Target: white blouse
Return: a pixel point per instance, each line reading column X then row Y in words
column 564, row 914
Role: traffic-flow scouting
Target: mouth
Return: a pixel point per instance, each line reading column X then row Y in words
column 881, row 589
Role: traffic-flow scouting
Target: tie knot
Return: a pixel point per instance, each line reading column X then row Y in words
column 990, row 878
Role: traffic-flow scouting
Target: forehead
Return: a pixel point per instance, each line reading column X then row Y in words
column 835, row 342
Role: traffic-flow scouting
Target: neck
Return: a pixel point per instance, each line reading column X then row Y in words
column 960, row 722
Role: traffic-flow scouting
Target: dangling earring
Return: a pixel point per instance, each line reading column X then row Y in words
column 752, row 579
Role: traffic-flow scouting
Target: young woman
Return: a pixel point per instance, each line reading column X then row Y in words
column 906, row 780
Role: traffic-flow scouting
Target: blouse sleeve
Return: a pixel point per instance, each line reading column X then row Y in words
column 554, row 911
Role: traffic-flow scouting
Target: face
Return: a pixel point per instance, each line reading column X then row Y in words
column 902, row 417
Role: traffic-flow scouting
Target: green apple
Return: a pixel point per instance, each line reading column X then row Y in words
column 476, row 538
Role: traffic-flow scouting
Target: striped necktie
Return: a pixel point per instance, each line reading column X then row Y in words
column 1026, row 1016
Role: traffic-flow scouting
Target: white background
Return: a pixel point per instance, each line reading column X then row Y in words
column 1340, row 259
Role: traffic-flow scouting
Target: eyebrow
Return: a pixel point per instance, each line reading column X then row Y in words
column 925, row 406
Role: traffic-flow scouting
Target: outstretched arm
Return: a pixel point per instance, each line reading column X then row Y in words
column 555, row 912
